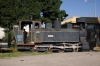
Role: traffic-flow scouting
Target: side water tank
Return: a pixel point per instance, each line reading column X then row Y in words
column 57, row 24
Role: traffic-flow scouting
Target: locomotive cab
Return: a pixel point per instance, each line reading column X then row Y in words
column 23, row 33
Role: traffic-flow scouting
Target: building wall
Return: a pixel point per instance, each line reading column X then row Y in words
column 2, row 34
column 72, row 20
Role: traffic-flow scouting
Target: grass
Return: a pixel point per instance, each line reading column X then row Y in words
column 16, row 54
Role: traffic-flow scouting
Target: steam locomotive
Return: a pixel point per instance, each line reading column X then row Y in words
column 51, row 38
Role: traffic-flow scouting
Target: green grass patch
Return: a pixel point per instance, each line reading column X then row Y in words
column 16, row 54
column 7, row 55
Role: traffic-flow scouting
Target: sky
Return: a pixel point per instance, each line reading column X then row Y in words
column 81, row 8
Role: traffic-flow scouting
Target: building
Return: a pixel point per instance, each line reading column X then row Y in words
column 2, row 34
column 75, row 19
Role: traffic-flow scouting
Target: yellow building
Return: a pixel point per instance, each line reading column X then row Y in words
column 75, row 19
column 71, row 20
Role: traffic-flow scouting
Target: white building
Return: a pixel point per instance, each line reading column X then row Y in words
column 2, row 34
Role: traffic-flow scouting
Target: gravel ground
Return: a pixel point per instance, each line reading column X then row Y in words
column 55, row 59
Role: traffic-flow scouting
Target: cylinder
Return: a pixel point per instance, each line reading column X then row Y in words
column 57, row 24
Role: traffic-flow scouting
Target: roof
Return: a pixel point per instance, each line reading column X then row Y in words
column 94, row 20
column 75, row 19
column 72, row 20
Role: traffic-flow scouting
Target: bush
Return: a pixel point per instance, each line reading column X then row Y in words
column 9, row 37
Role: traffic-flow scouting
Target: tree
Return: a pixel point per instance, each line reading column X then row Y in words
column 51, row 10
column 13, row 10
column 27, row 8
column 7, row 17
column 7, row 13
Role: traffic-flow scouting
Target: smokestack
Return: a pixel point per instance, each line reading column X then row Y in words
column 57, row 24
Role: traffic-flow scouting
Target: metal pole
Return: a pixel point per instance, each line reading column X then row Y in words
column 94, row 9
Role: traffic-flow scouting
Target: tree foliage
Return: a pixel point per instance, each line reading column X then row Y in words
column 51, row 10
column 7, row 13
column 13, row 10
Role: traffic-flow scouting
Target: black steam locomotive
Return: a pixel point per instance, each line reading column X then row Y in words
column 51, row 38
